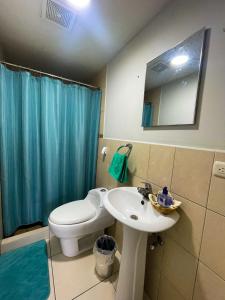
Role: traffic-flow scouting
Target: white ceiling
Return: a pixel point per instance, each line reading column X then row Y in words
column 99, row 33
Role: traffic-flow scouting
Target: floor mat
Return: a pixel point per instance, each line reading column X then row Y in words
column 24, row 273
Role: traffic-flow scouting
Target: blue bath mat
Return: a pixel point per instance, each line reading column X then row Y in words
column 24, row 273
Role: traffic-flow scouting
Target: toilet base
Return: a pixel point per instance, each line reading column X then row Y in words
column 76, row 245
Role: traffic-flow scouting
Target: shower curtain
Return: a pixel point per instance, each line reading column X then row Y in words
column 147, row 115
column 48, row 140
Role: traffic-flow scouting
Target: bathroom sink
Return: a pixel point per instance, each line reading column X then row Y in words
column 139, row 219
column 124, row 204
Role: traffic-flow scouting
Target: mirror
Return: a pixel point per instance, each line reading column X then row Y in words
column 172, row 84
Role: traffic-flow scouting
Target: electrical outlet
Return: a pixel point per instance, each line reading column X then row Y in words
column 219, row 169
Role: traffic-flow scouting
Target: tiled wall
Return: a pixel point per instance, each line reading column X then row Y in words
column 191, row 264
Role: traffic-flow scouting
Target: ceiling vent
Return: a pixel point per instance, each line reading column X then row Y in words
column 54, row 11
column 159, row 67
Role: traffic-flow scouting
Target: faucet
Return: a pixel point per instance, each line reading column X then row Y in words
column 145, row 191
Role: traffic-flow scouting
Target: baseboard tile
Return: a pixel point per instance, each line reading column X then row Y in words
column 24, row 239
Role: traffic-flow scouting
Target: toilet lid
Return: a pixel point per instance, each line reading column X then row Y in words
column 73, row 213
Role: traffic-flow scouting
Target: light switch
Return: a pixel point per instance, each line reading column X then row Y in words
column 219, row 169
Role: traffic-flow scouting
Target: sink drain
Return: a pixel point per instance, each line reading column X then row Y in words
column 134, row 217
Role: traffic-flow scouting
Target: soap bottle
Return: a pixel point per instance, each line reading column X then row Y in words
column 164, row 198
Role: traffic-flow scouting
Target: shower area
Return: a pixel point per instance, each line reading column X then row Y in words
column 48, row 145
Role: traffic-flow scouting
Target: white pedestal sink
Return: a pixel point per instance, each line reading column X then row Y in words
column 138, row 220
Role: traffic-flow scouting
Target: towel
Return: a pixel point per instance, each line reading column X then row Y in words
column 118, row 167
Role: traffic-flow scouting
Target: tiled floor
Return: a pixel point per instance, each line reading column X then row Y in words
column 27, row 229
column 75, row 278
column 70, row 278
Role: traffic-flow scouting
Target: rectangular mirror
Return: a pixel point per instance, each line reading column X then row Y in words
column 172, row 84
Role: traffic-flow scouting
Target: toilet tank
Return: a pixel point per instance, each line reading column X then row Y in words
column 96, row 196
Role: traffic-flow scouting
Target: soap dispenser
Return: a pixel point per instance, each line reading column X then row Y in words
column 164, row 198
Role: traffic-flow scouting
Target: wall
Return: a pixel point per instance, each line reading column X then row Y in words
column 100, row 81
column 126, row 76
column 177, row 101
column 1, row 53
column 191, row 263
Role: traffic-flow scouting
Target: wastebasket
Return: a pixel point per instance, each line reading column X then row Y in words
column 104, row 250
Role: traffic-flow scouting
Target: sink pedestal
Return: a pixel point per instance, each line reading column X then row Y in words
column 132, row 266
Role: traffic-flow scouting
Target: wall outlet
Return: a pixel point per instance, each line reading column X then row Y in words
column 219, row 169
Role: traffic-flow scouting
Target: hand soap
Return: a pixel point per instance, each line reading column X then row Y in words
column 164, row 198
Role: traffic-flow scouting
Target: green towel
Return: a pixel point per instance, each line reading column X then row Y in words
column 118, row 167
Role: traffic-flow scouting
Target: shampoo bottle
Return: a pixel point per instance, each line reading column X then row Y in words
column 164, row 198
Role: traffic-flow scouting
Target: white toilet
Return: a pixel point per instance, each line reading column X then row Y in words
column 77, row 224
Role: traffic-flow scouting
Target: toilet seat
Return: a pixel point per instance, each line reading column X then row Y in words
column 73, row 213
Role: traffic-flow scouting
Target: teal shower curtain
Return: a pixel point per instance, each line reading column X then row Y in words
column 48, row 140
column 147, row 115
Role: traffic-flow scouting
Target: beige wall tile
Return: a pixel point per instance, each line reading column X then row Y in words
column 208, row 285
column 112, row 146
column 161, row 165
column 101, row 143
column 103, row 179
column 216, row 200
column 138, row 160
column 191, row 174
column 213, row 243
column 152, row 278
column 135, row 162
column 146, row 297
column 167, row 291
column 153, row 270
column 101, row 175
column 188, row 231
column 154, row 258
column 117, row 232
column 136, row 181
column 180, row 268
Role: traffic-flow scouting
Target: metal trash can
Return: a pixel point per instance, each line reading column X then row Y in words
column 104, row 250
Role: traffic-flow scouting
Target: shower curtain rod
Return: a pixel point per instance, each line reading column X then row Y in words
column 49, row 75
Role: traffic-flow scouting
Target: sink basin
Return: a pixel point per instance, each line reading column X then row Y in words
column 139, row 219
column 124, row 204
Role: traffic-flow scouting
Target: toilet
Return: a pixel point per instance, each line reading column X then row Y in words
column 79, row 223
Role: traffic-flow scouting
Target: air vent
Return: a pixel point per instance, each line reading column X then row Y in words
column 54, row 11
column 159, row 67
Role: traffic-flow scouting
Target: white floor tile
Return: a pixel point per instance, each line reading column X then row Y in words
column 52, row 292
column 73, row 276
column 103, row 290
column 114, row 280
column 54, row 243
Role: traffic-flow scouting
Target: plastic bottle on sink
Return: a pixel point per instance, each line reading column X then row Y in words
column 164, row 198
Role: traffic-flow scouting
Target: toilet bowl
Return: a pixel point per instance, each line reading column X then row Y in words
column 77, row 224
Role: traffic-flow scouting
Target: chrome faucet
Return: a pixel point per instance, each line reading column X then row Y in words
column 145, row 191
